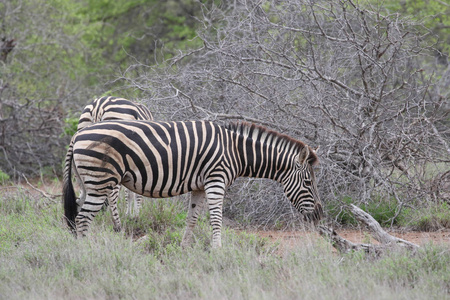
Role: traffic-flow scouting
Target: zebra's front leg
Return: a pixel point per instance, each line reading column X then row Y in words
column 215, row 193
column 195, row 207
column 129, row 197
column 133, row 203
column 137, row 204
column 113, row 196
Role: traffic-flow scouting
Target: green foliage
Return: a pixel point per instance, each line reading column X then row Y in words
column 114, row 29
column 3, row 177
column 337, row 212
column 81, row 43
column 435, row 15
column 381, row 210
column 60, row 56
column 430, row 218
column 70, row 126
column 65, row 52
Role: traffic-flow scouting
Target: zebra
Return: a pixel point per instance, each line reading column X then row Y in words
column 112, row 108
column 164, row 159
column 115, row 108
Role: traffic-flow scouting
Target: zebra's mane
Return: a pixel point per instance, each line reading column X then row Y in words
column 247, row 129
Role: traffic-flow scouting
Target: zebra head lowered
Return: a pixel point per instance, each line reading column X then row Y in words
column 264, row 153
column 301, row 187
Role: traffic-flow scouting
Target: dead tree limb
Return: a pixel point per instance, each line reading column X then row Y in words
column 377, row 232
column 386, row 240
column 345, row 246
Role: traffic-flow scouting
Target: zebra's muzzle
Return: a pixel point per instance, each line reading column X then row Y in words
column 315, row 215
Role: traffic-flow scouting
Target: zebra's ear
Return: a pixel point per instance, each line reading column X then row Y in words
column 304, row 154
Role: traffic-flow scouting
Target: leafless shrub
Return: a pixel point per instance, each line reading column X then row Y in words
column 30, row 137
column 355, row 80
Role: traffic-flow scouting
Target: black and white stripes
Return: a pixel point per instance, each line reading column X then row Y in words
column 163, row 159
column 115, row 108
column 112, row 108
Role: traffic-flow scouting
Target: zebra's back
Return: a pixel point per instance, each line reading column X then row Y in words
column 112, row 108
column 154, row 159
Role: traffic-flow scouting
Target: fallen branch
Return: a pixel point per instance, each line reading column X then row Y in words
column 377, row 232
column 345, row 246
column 386, row 240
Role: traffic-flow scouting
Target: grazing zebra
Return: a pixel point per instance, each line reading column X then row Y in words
column 164, row 159
column 115, row 108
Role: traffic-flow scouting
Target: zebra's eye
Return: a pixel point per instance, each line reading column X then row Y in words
column 299, row 166
column 307, row 182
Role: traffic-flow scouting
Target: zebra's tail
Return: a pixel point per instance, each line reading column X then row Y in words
column 69, row 199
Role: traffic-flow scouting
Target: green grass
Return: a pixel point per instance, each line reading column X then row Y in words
column 39, row 259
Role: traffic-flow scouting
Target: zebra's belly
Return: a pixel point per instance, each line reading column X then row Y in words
column 155, row 189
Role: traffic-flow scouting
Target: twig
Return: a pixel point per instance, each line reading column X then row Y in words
column 47, row 196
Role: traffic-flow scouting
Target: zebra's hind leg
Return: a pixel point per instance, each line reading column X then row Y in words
column 114, row 211
column 80, row 200
column 88, row 211
column 195, row 207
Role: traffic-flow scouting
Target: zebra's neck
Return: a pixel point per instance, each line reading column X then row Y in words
column 263, row 154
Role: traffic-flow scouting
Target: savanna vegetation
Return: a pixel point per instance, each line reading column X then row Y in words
column 39, row 259
column 366, row 81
